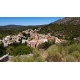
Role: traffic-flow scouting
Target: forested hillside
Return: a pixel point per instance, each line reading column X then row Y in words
column 13, row 29
column 68, row 28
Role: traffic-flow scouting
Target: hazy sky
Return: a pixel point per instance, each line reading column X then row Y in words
column 27, row 20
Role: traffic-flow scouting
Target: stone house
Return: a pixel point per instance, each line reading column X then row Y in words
column 32, row 43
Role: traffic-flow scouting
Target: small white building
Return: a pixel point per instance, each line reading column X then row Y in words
column 5, row 43
column 24, row 41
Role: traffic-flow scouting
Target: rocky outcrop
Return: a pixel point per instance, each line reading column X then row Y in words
column 4, row 58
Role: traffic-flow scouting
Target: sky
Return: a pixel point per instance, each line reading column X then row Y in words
column 27, row 20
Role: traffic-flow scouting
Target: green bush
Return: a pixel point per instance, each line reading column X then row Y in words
column 2, row 50
column 76, row 54
column 10, row 49
column 37, row 56
column 54, row 53
column 71, row 48
column 15, row 59
column 45, row 45
column 69, row 58
column 64, row 53
column 19, row 50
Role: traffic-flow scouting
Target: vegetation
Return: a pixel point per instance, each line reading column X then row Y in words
column 13, row 29
column 19, row 50
column 65, row 52
column 62, row 31
column 36, row 57
column 67, row 28
column 45, row 45
column 69, row 58
column 2, row 50
column 70, row 52
column 54, row 53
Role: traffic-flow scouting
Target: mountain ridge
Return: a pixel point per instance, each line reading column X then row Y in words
column 68, row 20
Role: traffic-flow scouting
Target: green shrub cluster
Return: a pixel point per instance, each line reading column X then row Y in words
column 54, row 53
column 45, row 45
column 68, row 53
column 65, row 52
column 19, row 50
column 36, row 57
column 2, row 50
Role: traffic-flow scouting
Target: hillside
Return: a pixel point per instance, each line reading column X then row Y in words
column 68, row 20
column 31, row 46
column 68, row 28
column 13, row 29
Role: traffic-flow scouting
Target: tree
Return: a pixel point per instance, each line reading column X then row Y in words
column 2, row 50
column 45, row 45
column 26, row 35
column 10, row 49
column 21, row 50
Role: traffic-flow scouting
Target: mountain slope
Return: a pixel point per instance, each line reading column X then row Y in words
column 68, row 28
column 68, row 20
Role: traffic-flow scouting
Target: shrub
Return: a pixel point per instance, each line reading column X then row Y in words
column 71, row 48
column 2, row 50
column 22, row 59
column 69, row 58
column 67, row 43
column 45, row 45
column 21, row 50
column 10, row 49
column 36, row 53
column 14, row 59
column 39, row 59
column 37, row 56
column 28, row 59
column 54, row 53
column 76, row 54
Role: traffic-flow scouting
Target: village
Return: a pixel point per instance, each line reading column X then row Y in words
column 39, row 43
column 31, row 37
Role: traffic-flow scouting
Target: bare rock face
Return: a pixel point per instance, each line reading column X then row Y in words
column 4, row 58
